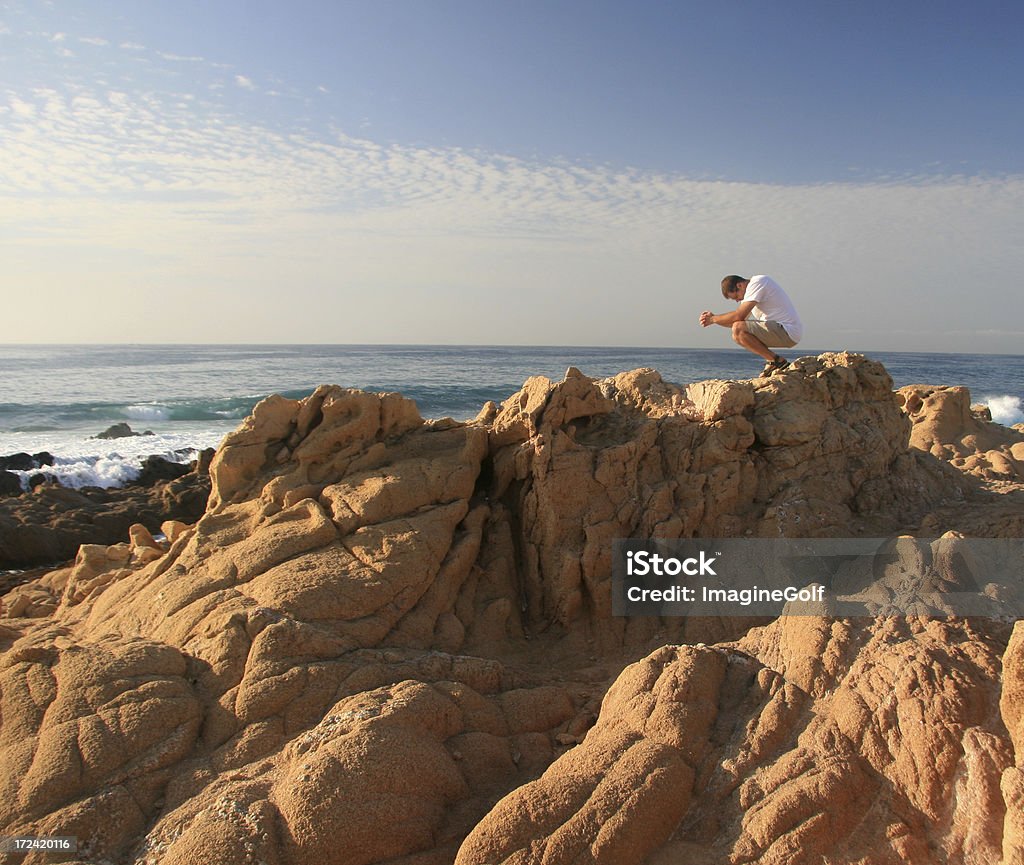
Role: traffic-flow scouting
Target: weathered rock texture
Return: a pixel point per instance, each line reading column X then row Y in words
column 382, row 626
column 810, row 741
column 947, row 426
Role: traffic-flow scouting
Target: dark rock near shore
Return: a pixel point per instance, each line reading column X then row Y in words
column 10, row 483
column 156, row 468
column 17, row 462
column 121, row 431
column 26, row 462
column 48, row 524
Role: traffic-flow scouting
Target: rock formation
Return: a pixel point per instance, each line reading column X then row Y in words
column 949, row 427
column 391, row 640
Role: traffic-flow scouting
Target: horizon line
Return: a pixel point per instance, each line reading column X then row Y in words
column 460, row 345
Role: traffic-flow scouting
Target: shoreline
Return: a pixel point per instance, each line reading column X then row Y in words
column 178, row 391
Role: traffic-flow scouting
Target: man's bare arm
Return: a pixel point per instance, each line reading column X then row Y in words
column 727, row 319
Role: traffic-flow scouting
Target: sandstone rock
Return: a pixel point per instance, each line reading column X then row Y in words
column 173, row 529
column 1012, row 702
column 95, row 568
column 645, row 390
column 1012, row 782
column 141, row 537
column 377, row 636
column 32, row 602
column 811, row 753
column 90, row 732
column 947, row 426
column 715, row 400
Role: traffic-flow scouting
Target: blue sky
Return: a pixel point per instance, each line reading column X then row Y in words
column 519, row 172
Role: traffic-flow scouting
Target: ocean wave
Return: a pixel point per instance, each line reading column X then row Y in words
column 147, row 412
column 46, row 416
column 1006, row 409
column 81, row 461
column 104, row 472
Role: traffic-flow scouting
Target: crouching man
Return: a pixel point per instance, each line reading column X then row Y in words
column 764, row 320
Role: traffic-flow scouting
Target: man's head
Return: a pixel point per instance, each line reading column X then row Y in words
column 734, row 287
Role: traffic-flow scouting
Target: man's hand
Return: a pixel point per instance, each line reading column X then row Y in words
column 707, row 318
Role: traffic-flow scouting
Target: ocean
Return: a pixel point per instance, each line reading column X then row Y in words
column 57, row 398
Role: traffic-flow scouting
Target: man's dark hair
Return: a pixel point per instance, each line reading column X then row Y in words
column 731, row 283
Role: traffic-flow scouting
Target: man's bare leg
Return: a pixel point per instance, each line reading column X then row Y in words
column 747, row 340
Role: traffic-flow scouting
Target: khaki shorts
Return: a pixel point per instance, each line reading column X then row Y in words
column 771, row 333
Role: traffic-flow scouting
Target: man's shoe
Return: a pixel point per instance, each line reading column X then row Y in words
column 773, row 366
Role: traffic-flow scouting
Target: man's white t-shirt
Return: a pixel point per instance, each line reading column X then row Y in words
column 773, row 304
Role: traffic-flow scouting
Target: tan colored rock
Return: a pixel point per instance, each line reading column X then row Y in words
column 173, row 529
column 96, row 567
column 645, row 390
column 386, row 622
column 29, row 602
column 617, row 797
column 90, row 733
column 946, row 425
column 140, row 536
column 1011, row 705
column 1012, row 699
column 715, row 400
column 706, row 754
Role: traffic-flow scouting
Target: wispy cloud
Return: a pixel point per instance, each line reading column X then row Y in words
column 244, row 83
column 178, row 58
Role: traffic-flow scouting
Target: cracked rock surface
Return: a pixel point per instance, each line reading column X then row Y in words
column 390, row 640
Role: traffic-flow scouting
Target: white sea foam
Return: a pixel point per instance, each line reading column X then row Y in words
column 106, row 472
column 81, row 460
column 1006, row 410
